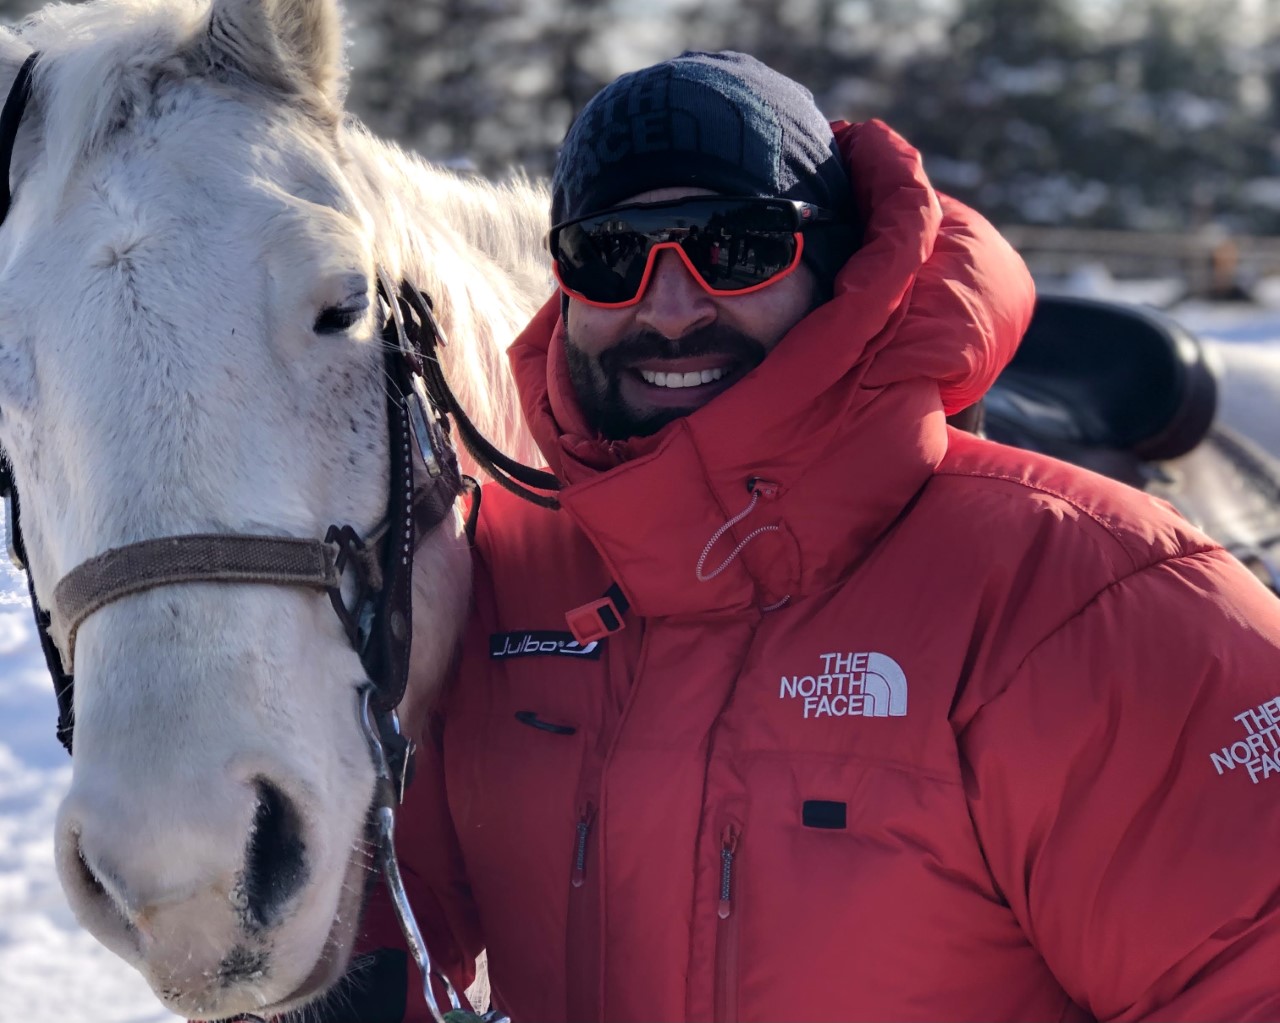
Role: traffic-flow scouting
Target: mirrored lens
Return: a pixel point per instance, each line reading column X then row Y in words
column 731, row 258
column 734, row 245
column 604, row 265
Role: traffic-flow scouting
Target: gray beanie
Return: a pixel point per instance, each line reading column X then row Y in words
column 722, row 121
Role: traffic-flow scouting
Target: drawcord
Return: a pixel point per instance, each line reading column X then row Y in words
column 706, row 577
column 757, row 487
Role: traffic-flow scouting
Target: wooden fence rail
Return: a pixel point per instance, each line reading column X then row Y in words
column 1212, row 264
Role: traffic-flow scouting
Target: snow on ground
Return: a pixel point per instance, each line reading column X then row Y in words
column 50, row 970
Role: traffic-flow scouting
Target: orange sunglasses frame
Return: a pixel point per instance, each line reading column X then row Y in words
column 651, row 261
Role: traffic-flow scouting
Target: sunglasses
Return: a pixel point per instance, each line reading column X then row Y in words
column 732, row 246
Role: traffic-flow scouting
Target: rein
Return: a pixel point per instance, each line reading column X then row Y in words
column 374, row 570
column 522, row 480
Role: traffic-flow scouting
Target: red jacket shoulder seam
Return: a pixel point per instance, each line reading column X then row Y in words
column 1086, row 605
column 1106, row 522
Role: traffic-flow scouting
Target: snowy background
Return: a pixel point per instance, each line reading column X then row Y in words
column 50, row 970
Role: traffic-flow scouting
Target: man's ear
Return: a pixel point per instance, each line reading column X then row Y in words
column 293, row 46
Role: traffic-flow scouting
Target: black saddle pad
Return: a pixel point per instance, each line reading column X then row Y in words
column 1099, row 375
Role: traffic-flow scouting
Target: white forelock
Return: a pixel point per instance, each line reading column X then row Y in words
column 99, row 67
column 98, row 63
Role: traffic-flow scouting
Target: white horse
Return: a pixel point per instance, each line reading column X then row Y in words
column 189, row 343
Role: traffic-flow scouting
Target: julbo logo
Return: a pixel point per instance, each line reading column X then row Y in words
column 540, row 644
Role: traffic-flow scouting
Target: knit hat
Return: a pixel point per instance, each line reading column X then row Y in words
column 722, row 121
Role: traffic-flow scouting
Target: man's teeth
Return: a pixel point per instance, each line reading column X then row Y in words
column 693, row 378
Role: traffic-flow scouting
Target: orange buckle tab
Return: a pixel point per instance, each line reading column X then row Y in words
column 595, row 620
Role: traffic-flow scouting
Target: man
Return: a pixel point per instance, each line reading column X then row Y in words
column 865, row 718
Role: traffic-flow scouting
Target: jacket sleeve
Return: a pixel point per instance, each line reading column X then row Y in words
column 1125, row 787
column 383, row 984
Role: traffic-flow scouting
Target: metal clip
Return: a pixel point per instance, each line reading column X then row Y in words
column 406, row 763
column 401, row 769
column 392, row 295
column 357, row 619
column 406, row 331
column 426, row 312
column 425, row 430
column 386, row 821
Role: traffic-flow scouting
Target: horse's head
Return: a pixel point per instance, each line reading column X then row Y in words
column 189, row 343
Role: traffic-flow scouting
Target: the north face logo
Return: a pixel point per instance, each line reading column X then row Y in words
column 1258, row 749
column 850, row 685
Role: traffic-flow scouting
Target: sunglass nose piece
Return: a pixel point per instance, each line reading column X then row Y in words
column 673, row 300
column 672, row 270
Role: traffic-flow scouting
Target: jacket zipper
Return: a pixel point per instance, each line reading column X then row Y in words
column 582, row 935
column 578, row 876
column 727, row 932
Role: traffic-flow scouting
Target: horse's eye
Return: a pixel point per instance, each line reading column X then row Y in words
column 336, row 319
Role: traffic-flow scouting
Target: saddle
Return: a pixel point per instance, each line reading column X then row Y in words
column 1128, row 392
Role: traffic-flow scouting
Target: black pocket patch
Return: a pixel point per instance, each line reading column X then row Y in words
column 823, row 813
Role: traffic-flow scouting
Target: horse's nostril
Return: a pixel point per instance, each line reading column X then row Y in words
column 88, row 876
column 95, row 892
column 275, row 860
column 92, row 884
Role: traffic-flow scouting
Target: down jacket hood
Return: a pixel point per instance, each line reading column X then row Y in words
column 845, row 417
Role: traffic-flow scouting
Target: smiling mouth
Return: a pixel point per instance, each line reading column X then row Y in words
column 680, row 385
column 693, row 378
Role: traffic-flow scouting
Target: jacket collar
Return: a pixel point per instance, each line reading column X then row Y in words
column 845, row 417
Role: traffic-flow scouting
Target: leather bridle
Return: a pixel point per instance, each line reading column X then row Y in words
column 424, row 482
column 375, row 569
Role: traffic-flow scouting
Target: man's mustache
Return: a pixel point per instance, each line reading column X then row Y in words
column 715, row 339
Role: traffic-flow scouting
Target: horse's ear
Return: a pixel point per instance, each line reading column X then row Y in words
column 286, row 44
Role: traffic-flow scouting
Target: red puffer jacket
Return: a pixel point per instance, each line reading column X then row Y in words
column 956, row 731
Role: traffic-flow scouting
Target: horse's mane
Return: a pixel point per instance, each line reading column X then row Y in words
column 476, row 248
column 473, row 246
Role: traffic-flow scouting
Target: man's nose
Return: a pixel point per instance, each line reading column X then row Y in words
column 674, row 303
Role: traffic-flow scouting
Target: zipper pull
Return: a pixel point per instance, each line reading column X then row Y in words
column 729, row 844
column 579, row 875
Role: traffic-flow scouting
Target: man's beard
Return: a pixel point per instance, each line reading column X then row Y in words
column 597, row 380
